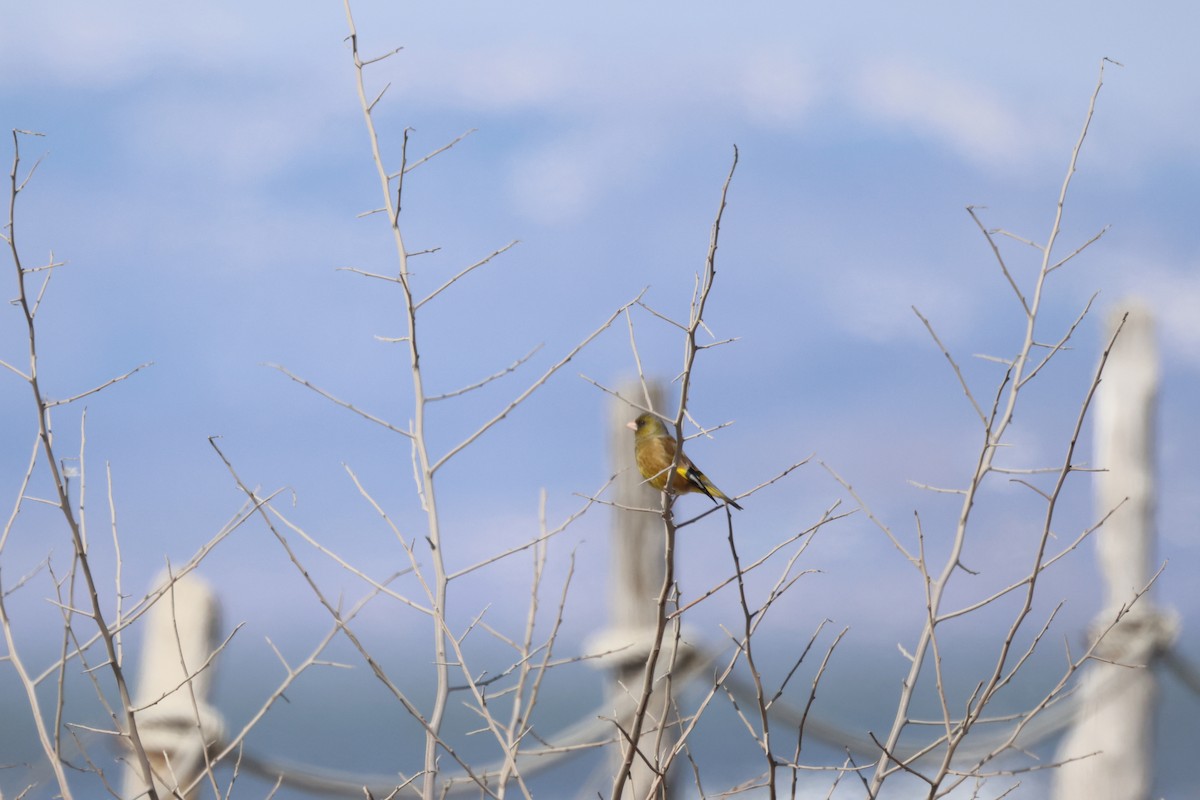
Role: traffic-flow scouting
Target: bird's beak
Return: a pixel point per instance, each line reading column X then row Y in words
column 631, row 425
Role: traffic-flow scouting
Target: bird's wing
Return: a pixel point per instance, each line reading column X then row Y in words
column 698, row 479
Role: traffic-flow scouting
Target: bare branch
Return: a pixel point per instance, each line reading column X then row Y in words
column 1061, row 342
column 13, row 369
column 999, row 258
column 1079, row 249
column 101, row 387
column 510, row 368
column 532, row 388
column 364, row 273
column 59, row 483
column 437, row 152
column 954, row 365
column 378, row 97
column 1021, row 239
column 870, row 514
column 343, row 403
column 463, row 272
column 368, row 62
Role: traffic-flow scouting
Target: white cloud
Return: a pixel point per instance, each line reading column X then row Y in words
column 777, row 89
column 969, row 118
column 512, row 78
column 1174, row 297
column 507, row 79
column 105, row 45
column 561, row 180
column 1164, row 282
column 236, row 137
column 876, row 304
column 555, row 183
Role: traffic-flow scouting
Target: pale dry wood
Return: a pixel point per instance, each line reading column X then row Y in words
column 996, row 424
column 58, row 480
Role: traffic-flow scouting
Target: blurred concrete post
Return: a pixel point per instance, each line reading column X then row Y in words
column 1118, row 699
column 635, row 580
column 176, row 723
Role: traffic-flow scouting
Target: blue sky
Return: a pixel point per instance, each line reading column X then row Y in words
column 204, row 168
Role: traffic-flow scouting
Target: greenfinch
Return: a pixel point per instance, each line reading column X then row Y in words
column 654, row 450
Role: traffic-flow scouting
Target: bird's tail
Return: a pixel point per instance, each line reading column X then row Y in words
column 701, row 482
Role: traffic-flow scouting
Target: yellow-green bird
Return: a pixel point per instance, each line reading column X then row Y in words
column 654, row 450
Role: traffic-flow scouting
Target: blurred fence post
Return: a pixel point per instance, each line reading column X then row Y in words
column 636, row 575
column 176, row 723
column 1119, row 693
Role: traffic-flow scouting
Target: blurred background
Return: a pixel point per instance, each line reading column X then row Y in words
column 204, row 172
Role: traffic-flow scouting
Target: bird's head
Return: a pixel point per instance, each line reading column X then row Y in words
column 647, row 425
